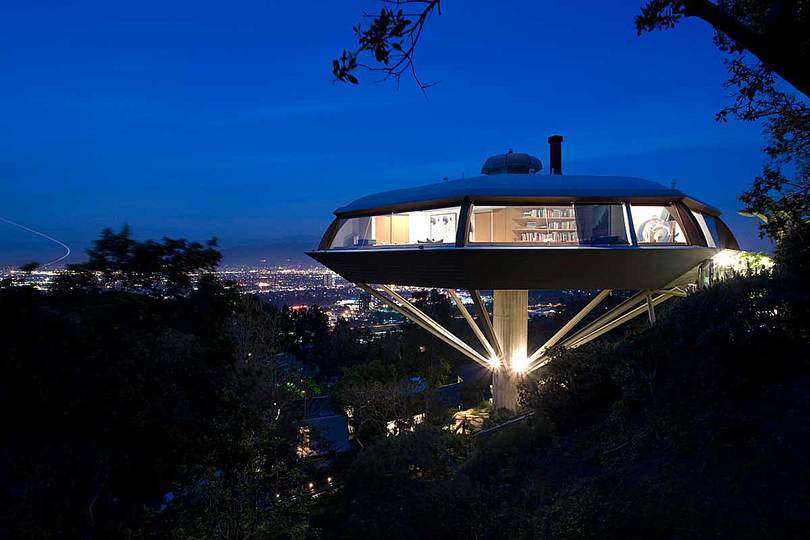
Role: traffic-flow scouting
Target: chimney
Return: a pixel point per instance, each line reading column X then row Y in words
column 555, row 154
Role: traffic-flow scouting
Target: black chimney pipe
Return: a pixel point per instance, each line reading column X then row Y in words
column 555, row 151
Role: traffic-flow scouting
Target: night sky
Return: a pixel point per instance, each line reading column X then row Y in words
column 201, row 119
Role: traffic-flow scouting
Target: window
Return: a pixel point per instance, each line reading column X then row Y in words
column 657, row 225
column 572, row 224
column 422, row 227
column 711, row 239
column 723, row 237
column 600, row 224
column 354, row 232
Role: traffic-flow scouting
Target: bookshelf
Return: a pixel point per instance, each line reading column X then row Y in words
column 544, row 224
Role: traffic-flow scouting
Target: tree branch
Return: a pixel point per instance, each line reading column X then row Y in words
column 392, row 38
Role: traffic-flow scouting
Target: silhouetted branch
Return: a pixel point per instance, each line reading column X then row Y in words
column 770, row 30
column 392, row 38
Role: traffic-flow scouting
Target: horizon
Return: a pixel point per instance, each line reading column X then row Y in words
column 212, row 125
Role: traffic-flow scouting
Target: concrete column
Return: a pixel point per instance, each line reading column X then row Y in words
column 510, row 318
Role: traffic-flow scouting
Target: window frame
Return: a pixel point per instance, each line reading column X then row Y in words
column 681, row 212
column 337, row 224
column 554, row 203
column 677, row 215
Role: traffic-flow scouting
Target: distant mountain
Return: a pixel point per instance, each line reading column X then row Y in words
column 14, row 252
column 284, row 251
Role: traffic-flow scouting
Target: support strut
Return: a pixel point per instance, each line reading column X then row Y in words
column 568, row 326
column 413, row 313
column 483, row 315
column 476, row 330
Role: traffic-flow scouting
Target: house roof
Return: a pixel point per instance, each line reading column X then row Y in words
column 516, row 186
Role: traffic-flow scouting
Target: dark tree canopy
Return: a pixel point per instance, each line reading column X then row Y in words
column 115, row 393
column 169, row 266
column 774, row 31
column 29, row 267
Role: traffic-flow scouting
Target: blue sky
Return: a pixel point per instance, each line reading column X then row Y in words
column 202, row 119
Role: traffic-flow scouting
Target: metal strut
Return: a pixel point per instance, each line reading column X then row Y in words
column 475, row 328
column 408, row 310
column 643, row 302
column 595, row 301
column 483, row 315
column 618, row 321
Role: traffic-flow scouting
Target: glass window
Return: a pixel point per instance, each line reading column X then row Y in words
column 354, row 232
column 422, row 227
column 580, row 224
column 720, row 233
column 711, row 239
column 601, row 224
column 657, row 225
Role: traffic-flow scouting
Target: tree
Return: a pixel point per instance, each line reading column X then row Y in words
column 713, row 445
column 776, row 33
column 394, row 488
column 113, row 397
column 29, row 267
column 261, row 493
column 376, row 393
column 391, row 38
column 167, row 267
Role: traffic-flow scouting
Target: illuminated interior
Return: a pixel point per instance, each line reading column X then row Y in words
column 423, row 227
column 657, row 225
column 574, row 224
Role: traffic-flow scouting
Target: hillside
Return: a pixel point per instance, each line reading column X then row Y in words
column 695, row 428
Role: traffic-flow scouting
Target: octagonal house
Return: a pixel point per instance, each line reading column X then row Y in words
column 512, row 229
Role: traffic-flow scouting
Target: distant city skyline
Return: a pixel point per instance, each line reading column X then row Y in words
column 185, row 120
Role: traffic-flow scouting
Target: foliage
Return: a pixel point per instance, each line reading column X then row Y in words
column 391, row 39
column 793, row 256
column 166, row 267
column 302, row 332
column 775, row 32
column 29, row 267
column 376, row 394
column 253, row 500
column 695, row 427
column 396, row 478
column 134, row 395
column 571, row 385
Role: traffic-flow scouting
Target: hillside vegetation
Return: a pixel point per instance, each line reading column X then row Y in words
column 143, row 397
column 698, row 427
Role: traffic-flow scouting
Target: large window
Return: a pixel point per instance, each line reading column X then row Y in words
column 422, row 227
column 657, row 225
column 711, row 237
column 572, row 224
